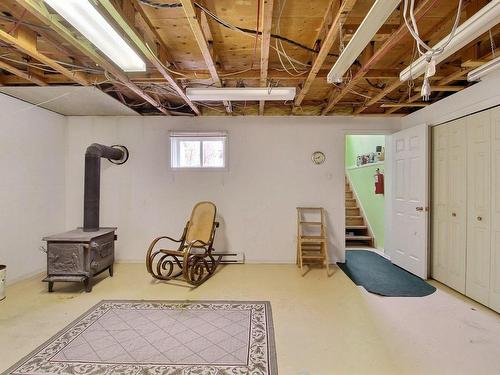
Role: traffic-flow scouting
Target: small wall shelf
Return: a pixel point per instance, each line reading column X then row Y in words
column 366, row 165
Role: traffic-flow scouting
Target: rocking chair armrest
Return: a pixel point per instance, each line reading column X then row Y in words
column 167, row 238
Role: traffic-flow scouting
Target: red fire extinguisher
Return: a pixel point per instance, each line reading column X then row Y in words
column 379, row 182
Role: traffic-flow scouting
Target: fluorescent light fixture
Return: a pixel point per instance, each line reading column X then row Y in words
column 82, row 15
column 483, row 70
column 483, row 20
column 240, row 93
column 376, row 17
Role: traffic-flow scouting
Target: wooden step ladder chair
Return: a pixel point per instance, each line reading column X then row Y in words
column 312, row 242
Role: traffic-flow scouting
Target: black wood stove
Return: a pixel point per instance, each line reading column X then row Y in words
column 80, row 254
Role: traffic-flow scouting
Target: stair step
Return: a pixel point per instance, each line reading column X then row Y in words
column 358, row 244
column 354, row 220
column 352, row 211
column 358, row 238
column 356, row 227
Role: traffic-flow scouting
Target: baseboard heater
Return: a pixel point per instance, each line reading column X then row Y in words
column 230, row 258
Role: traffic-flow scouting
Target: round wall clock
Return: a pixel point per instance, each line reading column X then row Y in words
column 318, row 157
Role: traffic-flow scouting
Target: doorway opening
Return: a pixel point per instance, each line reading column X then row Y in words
column 364, row 192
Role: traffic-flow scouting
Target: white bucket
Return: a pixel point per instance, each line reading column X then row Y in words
column 3, row 270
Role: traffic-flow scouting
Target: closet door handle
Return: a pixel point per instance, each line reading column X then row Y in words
column 479, row 218
column 454, row 214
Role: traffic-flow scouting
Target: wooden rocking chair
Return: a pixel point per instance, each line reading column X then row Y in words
column 193, row 258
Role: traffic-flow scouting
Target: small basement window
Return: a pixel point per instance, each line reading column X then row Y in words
column 198, row 150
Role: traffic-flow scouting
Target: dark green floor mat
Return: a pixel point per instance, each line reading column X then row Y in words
column 378, row 275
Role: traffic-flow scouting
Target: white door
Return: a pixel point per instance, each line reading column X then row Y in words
column 495, row 205
column 449, row 206
column 478, row 206
column 409, row 247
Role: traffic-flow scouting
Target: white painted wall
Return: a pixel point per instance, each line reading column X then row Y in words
column 32, row 182
column 270, row 173
column 482, row 95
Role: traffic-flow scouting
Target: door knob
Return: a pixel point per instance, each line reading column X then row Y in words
column 454, row 214
column 479, row 218
column 419, row 208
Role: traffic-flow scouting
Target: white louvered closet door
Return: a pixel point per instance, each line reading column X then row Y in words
column 478, row 207
column 495, row 205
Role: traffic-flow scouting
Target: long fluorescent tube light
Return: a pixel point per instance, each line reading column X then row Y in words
column 483, row 20
column 375, row 18
column 240, row 93
column 480, row 72
column 82, row 15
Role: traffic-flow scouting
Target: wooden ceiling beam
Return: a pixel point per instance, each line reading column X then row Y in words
column 266, row 22
column 341, row 15
column 337, row 94
column 458, row 75
column 144, row 23
column 385, row 32
column 190, row 12
column 23, row 74
column 326, row 22
column 40, row 11
column 120, row 18
column 387, row 90
column 401, row 105
column 203, row 75
column 30, row 49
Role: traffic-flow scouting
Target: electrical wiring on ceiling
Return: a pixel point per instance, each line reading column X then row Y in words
column 423, row 48
column 13, row 19
column 47, row 68
column 279, row 45
column 154, row 4
column 248, row 34
column 31, row 65
column 230, row 26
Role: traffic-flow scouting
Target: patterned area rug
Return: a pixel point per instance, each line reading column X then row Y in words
column 161, row 337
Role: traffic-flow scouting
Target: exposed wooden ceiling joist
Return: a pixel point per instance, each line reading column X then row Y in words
column 39, row 10
column 23, row 74
column 131, row 32
column 266, row 21
column 452, row 77
column 341, row 15
column 31, row 50
column 337, row 94
column 206, row 51
column 304, row 28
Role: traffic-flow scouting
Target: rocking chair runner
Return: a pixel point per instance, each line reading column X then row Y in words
column 193, row 258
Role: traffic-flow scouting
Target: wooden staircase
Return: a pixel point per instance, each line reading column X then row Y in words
column 357, row 233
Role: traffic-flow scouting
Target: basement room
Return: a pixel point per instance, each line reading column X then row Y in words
column 249, row 187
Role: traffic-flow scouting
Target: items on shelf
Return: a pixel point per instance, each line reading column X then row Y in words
column 372, row 157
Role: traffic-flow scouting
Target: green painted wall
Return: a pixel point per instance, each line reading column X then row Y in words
column 363, row 181
column 361, row 144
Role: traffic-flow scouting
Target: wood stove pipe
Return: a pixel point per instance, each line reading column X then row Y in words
column 116, row 154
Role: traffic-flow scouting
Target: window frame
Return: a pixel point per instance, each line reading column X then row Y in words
column 176, row 137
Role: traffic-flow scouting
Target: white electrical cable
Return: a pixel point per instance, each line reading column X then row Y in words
column 423, row 48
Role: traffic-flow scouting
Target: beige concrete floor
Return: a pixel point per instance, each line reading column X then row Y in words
column 323, row 325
